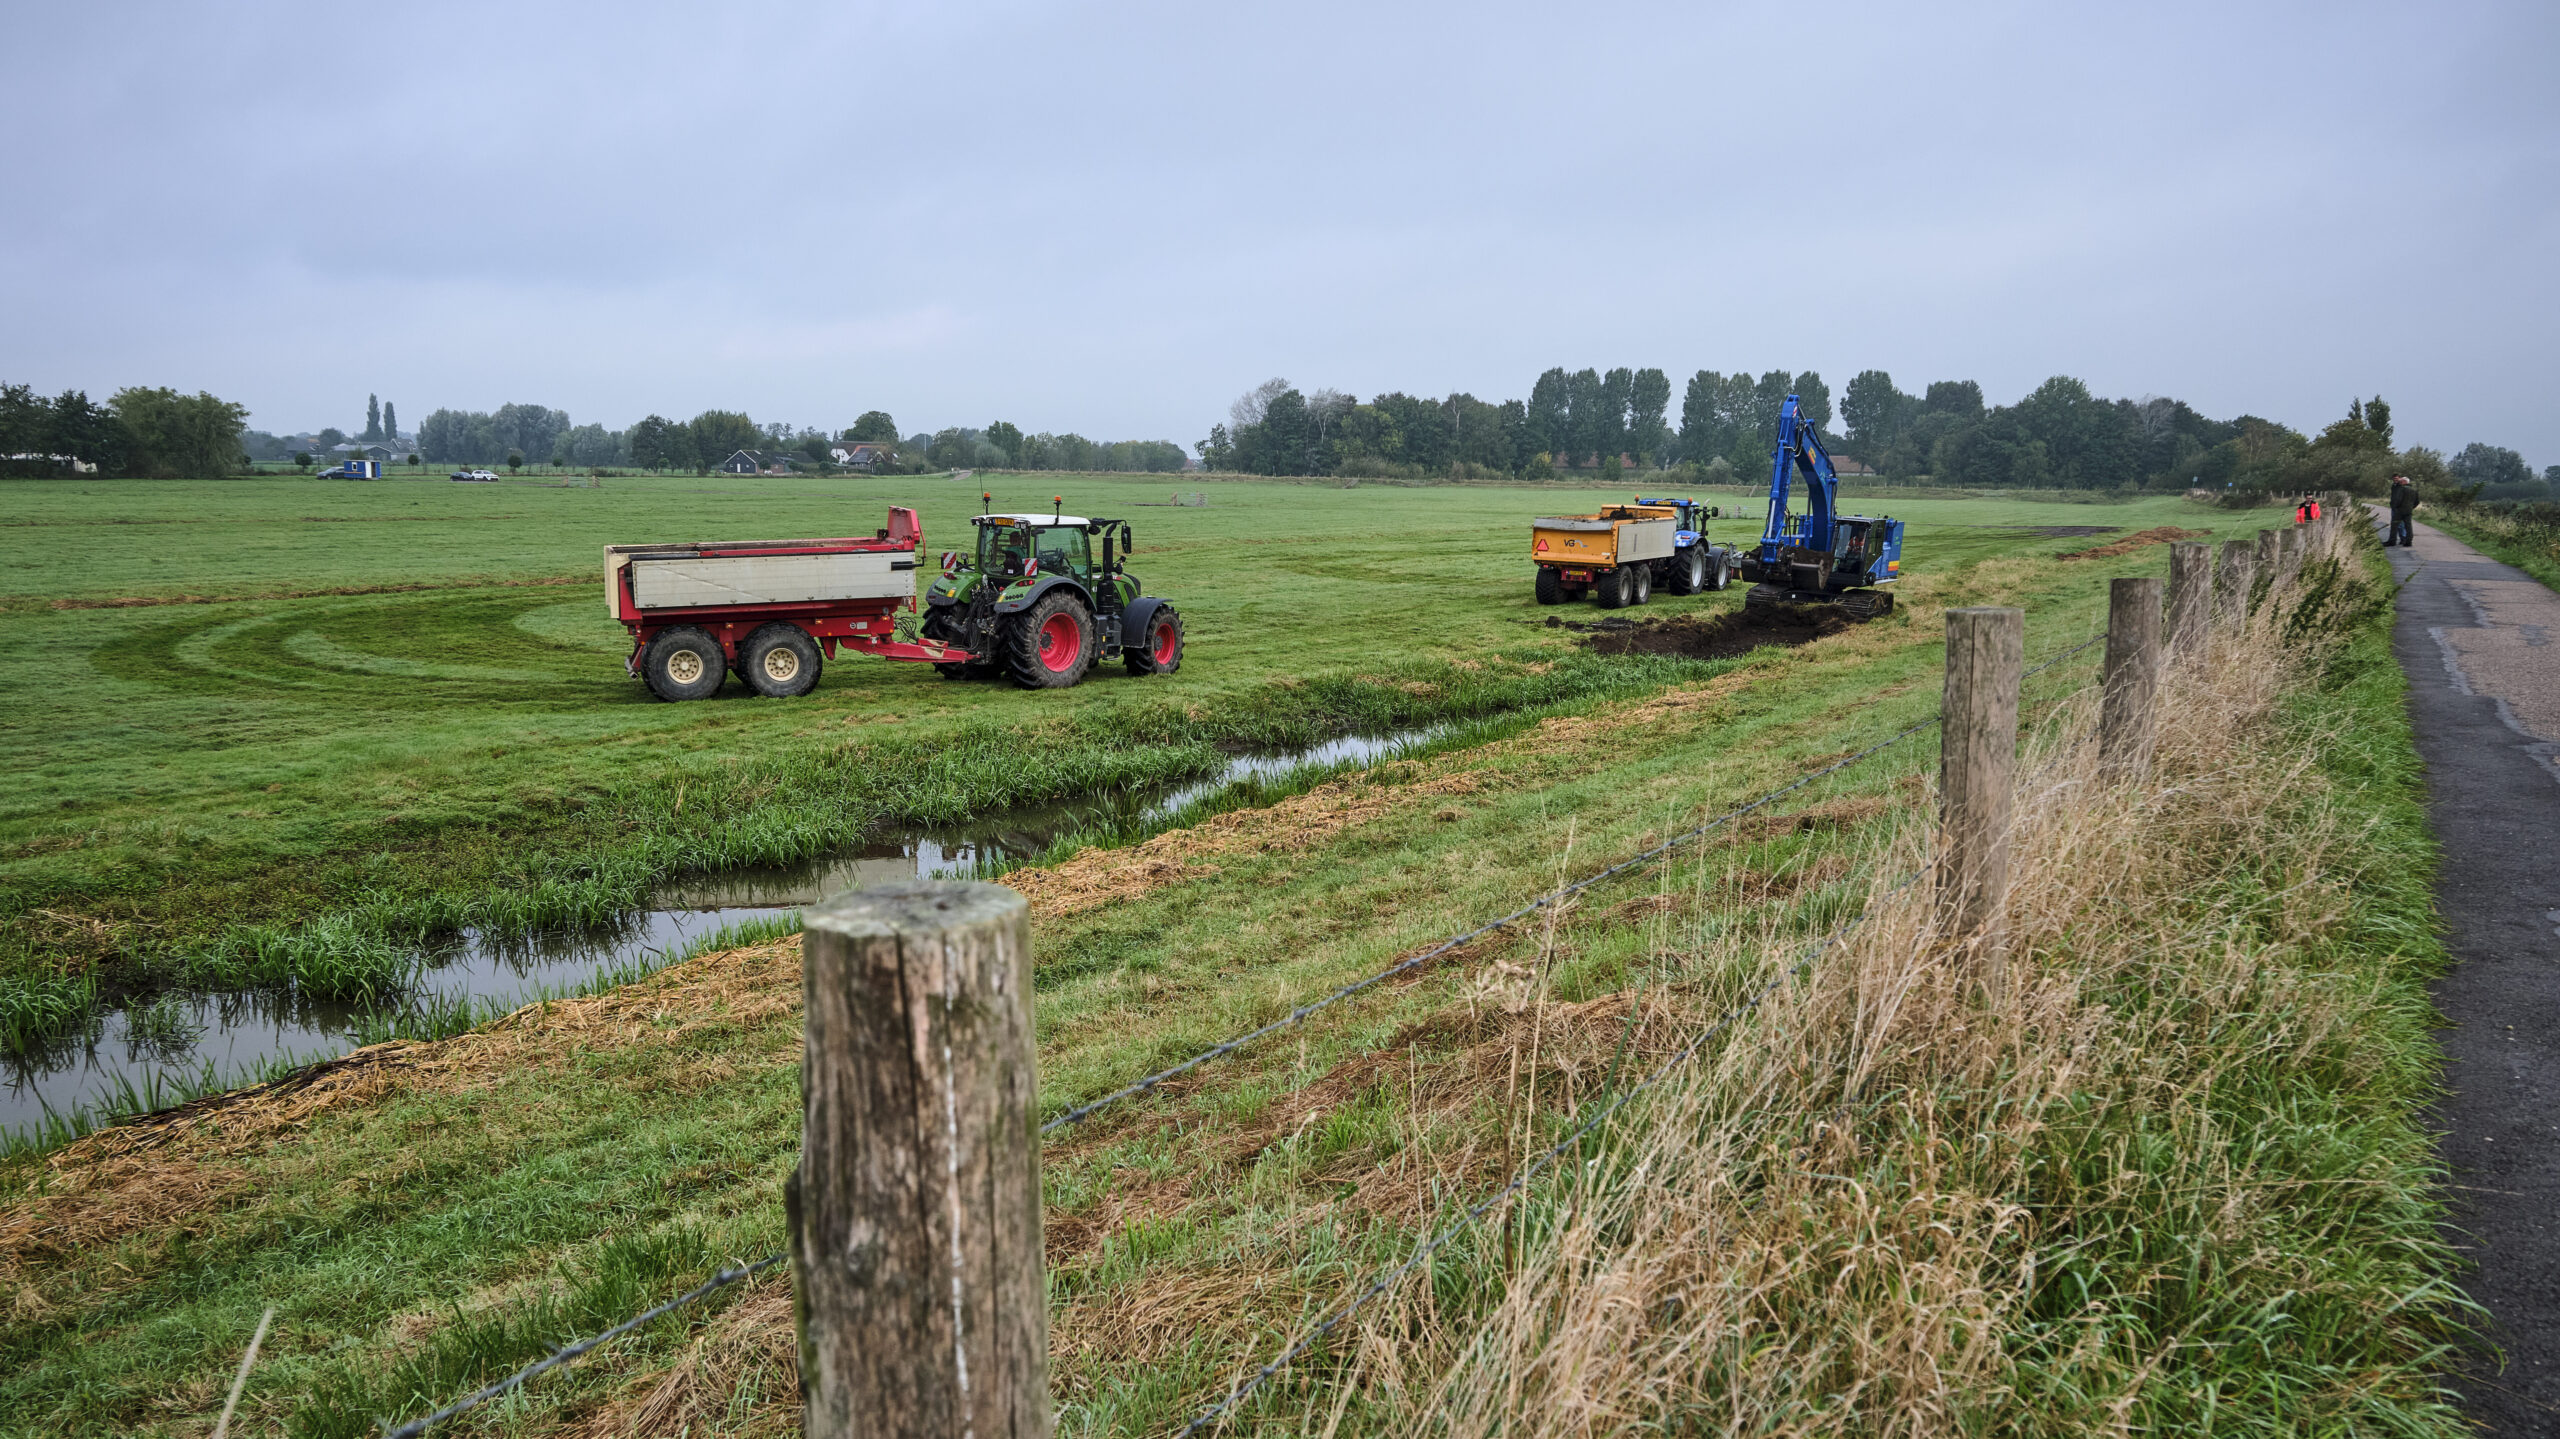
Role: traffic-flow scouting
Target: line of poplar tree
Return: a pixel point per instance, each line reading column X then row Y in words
column 2057, row 436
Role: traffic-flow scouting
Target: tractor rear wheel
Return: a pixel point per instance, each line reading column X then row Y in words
column 1050, row 645
column 1688, row 572
column 684, row 663
column 1550, row 586
column 780, row 662
column 1159, row 650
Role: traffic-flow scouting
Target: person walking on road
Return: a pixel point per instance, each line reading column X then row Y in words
column 2404, row 503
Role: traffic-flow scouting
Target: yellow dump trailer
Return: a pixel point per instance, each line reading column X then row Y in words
column 1619, row 554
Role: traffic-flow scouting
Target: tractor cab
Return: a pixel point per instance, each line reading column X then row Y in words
column 1692, row 515
column 1017, row 547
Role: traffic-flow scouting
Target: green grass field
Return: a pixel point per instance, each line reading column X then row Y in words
column 192, row 785
column 2188, row 1192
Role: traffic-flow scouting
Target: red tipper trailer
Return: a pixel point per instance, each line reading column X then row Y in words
column 765, row 608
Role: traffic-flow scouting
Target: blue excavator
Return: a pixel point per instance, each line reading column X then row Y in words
column 1820, row 557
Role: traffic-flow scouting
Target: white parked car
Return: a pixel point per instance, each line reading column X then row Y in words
column 488, row 475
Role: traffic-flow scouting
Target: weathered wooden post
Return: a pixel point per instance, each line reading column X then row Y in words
column 2126, row 721
column 915, row 1213
column 2190, row 596
column 2231, row 581
column 1977, row 765
column 2270, row 559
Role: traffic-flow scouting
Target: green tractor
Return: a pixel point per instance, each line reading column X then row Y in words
column 1031, row 603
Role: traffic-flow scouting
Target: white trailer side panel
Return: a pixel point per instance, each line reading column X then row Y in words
column 717, row 579
column 1646, row 540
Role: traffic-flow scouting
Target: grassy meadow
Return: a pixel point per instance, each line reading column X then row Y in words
column 275, row 730
column 2181, row 1187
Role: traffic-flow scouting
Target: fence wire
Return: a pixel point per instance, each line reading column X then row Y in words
column 478, row 1397
column 1521, row 1177
column 1300, row 1015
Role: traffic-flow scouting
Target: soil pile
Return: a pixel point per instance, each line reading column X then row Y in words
column 1699, row 637
column 2165, row 534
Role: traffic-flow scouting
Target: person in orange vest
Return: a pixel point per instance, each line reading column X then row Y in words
column 2307, row 511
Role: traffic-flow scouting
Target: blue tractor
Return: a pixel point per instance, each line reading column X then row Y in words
column 1820, row 557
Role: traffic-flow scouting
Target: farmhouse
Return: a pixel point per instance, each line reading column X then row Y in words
column 755, row 462
column 861, row 454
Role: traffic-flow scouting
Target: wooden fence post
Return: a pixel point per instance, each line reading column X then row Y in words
column 2231, row 581
column 1977, row 765
column 2125, row 718
column 2190, row 595
column 2270, row 559
column 915, row 1212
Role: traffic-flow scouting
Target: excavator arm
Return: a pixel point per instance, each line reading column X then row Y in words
column 1799, row 448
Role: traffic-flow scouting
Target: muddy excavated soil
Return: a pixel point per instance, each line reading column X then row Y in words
column 1700, row 637
column 2164, row 535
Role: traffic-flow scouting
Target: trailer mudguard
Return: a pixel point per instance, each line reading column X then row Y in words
column 1135, row 619
column 1010, row 603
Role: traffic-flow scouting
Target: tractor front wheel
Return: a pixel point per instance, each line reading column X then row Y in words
column 1050, row 645
column 1159, row 652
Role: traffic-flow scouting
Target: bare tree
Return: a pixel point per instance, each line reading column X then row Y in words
column 1250, row 406
column 1326, row 406
column 2154, row 417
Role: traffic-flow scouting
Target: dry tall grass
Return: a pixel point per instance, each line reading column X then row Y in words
column 2169, row 1183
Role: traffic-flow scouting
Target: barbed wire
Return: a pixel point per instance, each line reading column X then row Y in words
column 1302, row 1013
column 558, row 1357
column 1520, row 1177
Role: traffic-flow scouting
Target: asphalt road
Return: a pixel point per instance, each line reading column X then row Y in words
column 2480, row 643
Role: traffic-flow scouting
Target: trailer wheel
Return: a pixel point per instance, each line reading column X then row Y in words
column 1615, row 590
column 781, row 662
column 1162, row 652
column 1550, row 587
column 1643, row 583
column 684, row 663
column 1050, row 645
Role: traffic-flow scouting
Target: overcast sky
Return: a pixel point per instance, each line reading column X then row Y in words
column 1113, row 218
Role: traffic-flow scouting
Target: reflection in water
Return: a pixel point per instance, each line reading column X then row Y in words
column 238, row 1033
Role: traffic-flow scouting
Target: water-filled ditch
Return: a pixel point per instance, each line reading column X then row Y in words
column 177, row 1037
